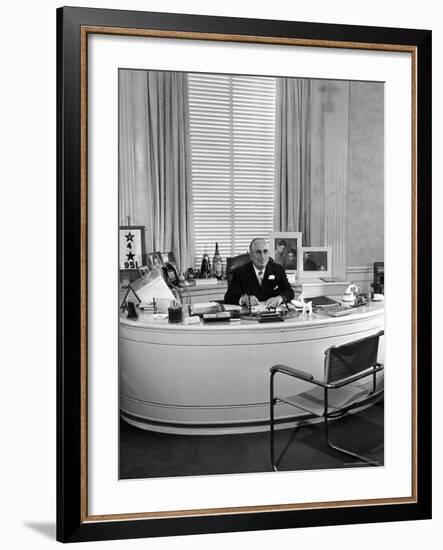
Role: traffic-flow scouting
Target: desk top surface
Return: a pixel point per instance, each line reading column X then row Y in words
column 292, row 320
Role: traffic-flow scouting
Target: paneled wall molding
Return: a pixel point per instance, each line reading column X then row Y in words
column 360, row 270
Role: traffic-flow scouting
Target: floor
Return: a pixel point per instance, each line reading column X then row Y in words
column 146, row 454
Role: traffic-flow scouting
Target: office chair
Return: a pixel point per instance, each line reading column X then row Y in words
column 341, row 389
column 234, row 263
column 378, row 284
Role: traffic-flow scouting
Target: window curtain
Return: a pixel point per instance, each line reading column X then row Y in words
column 155, row 160
column 292, row 160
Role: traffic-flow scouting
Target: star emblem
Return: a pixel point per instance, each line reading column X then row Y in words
column 130, row 256
column 130, row 237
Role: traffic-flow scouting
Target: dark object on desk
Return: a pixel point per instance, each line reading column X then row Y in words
column 378, row 284
column 129, row 289
column 205, row 270
column 360, row 300
column 175, row 314
column 191, row 274
column 235, row 314
column 322, row 302
column 270, row 317
column 132, row 313
column 216, row 317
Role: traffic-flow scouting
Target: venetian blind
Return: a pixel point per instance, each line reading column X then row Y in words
column 232, row 145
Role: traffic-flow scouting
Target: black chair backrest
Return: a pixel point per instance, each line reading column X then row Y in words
column 379, row 273
column 352, row 358
column 234, row 263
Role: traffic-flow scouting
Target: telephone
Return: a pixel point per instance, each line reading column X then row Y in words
column 350, row 294
column 170, row 274
column 353, row 296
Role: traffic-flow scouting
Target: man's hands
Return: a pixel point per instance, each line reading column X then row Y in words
column 245, row 300
column 274, row 302
column 271, row 303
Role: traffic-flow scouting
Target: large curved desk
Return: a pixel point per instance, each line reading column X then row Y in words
column 214, row 378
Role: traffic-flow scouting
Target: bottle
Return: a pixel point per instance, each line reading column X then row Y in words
column 205, row 270
column 217, row 263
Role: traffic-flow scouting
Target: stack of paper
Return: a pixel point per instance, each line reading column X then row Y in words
column 204, row 282
column 205, row 307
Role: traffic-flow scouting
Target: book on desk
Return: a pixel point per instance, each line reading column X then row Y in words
column 322, row 302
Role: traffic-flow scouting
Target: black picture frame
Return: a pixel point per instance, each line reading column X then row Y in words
column 73, row 522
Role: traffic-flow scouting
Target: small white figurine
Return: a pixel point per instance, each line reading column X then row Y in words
column 301, row 303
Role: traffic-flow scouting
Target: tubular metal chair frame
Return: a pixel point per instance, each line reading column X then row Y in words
column 306, row 377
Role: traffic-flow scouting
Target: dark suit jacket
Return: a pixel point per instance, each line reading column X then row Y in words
column 244, row 281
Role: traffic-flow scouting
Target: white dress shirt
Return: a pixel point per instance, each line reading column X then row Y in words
column 257, row 271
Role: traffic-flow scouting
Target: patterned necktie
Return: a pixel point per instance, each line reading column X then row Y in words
column 260, row 277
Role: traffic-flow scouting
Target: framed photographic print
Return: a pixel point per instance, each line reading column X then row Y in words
column 253, row 128
column 316, row 261
column 285, row 249
column 167, row 257
column 154, row 259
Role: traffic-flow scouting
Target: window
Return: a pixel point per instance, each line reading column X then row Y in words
column 232, row 146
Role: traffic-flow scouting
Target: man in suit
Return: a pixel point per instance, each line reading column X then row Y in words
column 259, row 280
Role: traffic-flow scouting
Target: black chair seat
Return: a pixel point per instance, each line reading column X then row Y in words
column 313, row 400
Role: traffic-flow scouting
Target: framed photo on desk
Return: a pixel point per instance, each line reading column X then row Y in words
column 154, row 260
column 316, row 261
column 98, row 53
column 285, row 249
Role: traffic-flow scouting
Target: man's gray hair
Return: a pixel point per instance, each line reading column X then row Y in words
column 256, row 239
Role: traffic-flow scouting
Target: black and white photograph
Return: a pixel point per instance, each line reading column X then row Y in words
column 249, row 182
column 286, row 248
column 315, row 259
column 167, row 258
column 154, row 260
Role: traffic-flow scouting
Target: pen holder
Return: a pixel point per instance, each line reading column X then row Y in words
column 175, row 315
